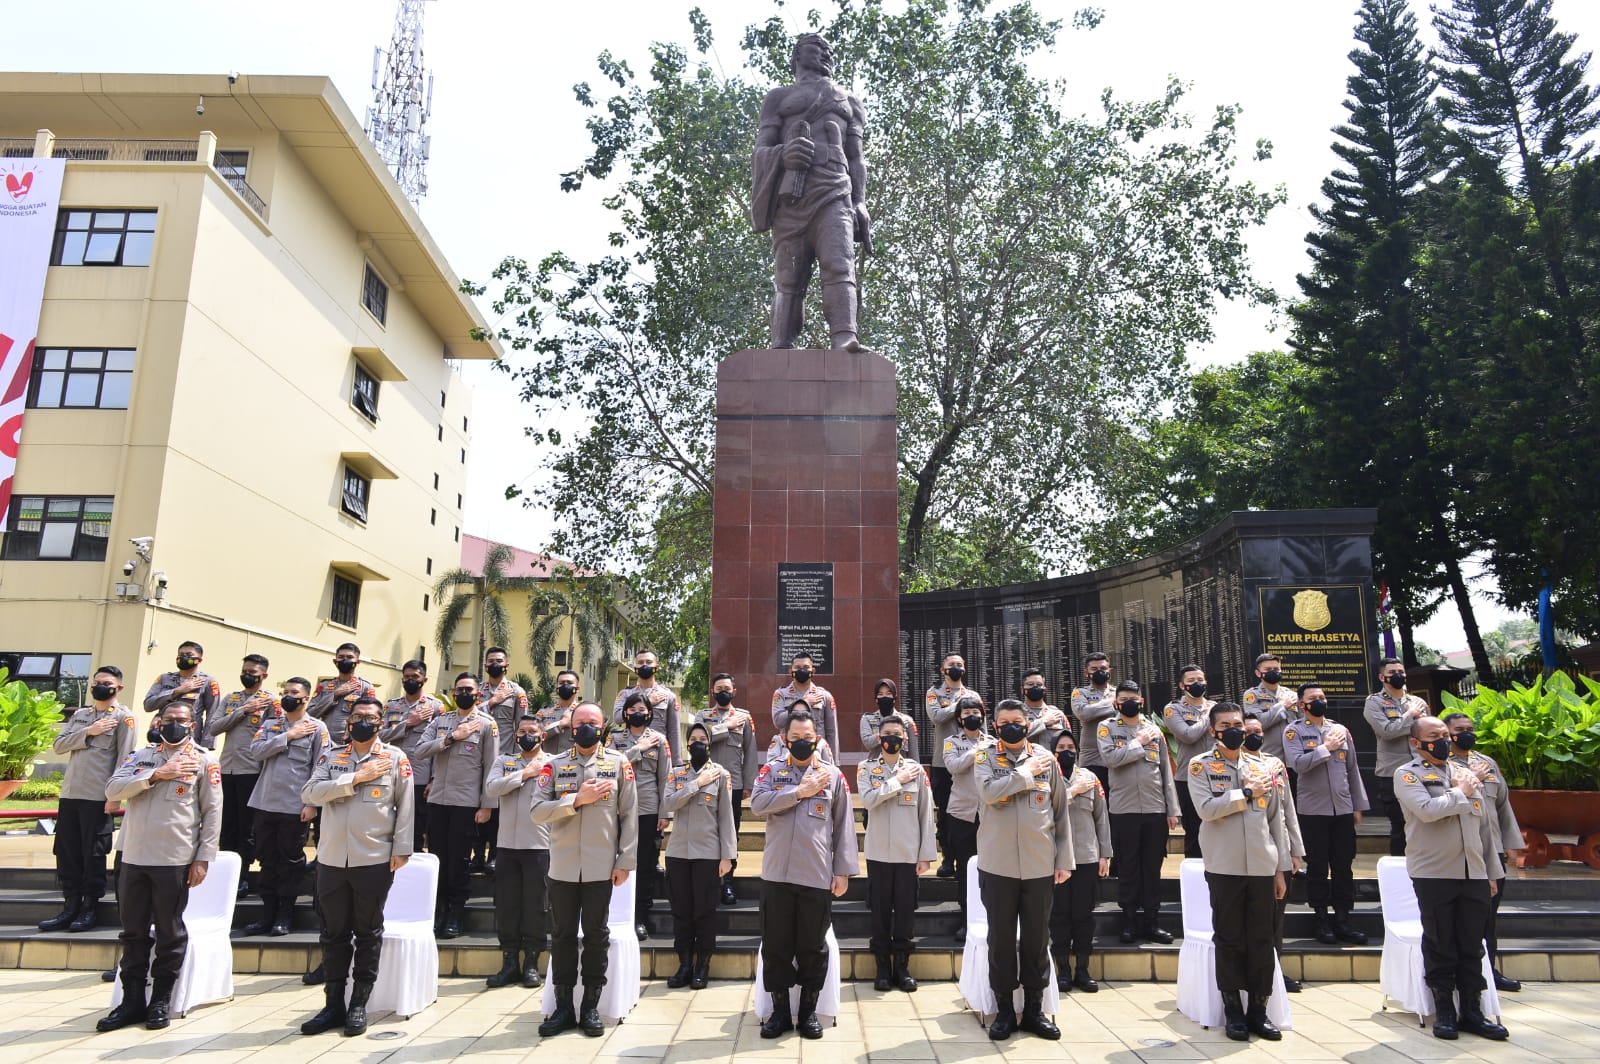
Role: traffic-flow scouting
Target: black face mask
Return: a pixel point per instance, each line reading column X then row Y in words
column 153, row 735
column 496, row 670
column 1396, row 680
column 586, row 735
column 802, row 676
column 465, row 699
column 956, row 673
column 699, row 754
column 1129, row 708
column 724, row 698
column 1253, row 741
column 1231, row 737
column 1466, row 740
column 186, row 663
column 247, row 681
column 1438, row 749
column 885, row 703
column 1100, row 676
column 972, row 723
column 891, row 744
column 174, row 732
column 638, row 720
column 1272, row 676
column 1196, row 690
column 646, row 671
column 565, row 691
column 102, row 692
column 802, row 749
column 1068, row 760
column 1317, row 708
column 1034, row 694
column 290, row 703
column 363, row 731
column 411, row 686
column 344, row 665
column 1012, row 732
column 527, row 742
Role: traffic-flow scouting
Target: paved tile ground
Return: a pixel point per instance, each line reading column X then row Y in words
column 50, row 1016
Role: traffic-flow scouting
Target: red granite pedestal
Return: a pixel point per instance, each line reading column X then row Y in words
column 805, row 472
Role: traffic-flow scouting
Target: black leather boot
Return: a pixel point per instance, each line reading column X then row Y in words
column 589, row 1015
column 61, row 920
column 807, row 1023
column 1082, row 979
column 132, row 1010
column 332, row 1014
column 316, row 976
column 1325, row 932
column 780, row 1020
column 881, row 983
column 1345, row 933
column 158, row 1014
column 563, row 1018
column 283, row 919
column 1033, row 1018
column 1505, row 983
column 509, row 971
column 1444, row 1014
column 355, row 1014
column 1234, row 1025
column 1256, row 1020
column 532, row 977
column 702, row 972
column 902, row 973
column 1130, row 933
column 1153, row 932
column 680, row 978
column 1005, row 1018
column 1473, row 1021
column 1063, row 973
column 88, row 916
column 729, row 895
column 269, row 912
column 452, row 923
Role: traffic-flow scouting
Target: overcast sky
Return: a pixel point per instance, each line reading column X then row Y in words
column 505, row 125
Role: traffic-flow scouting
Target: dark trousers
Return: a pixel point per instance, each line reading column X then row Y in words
column 484, row 837
column 450, row 829
column 1102, row 774
column 1140, row 842
column 794, row 936
column 1455, row 913
column 352, row 919
column 1241, row 928
column 1396, row 814
column 1191, row 819
column 519, row 899
column 146, row 895
column 419, row 837
column 238, row 825
column 1014, row 957
column 1072, row 914
column 1330, row 853
column 940, row 780
column 738, row 818
column 692, row 891
column 892, row 898
column 649, row 852
column 83, row 838
column 281, row 848
column 573, row 905
column 1491, row 937
column 961, row 846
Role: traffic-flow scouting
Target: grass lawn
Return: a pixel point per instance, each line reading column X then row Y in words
column 23, row 803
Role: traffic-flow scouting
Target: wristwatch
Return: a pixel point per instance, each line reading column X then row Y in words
column 1248, row 792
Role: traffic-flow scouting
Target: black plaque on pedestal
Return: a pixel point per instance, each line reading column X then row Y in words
column 1320, row 633
column 805, row 614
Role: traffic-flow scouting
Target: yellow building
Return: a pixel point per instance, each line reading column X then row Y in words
column 244, row 364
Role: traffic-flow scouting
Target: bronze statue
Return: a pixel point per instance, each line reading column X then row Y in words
column 810, row 187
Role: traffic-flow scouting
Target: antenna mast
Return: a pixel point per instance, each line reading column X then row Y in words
column 402, row 100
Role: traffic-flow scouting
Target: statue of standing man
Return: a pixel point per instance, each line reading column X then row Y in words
column 810, row 187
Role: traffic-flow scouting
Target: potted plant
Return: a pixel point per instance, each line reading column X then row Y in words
column 28, row 722
column 1546, row 738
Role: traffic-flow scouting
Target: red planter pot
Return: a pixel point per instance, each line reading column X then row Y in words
column 1544, row 813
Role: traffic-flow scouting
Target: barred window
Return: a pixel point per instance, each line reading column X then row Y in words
column 346, row 601
column 374, row 294
column 67, row 528
column 104, row 238
column 357, row 488
column 364, row 393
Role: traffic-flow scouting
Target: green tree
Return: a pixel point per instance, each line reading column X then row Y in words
column 578, row 611
column 457, row 590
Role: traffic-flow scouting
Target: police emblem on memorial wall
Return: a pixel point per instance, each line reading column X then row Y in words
column 1311, row 610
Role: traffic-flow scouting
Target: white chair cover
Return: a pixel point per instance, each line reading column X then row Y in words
column 1198, row 996
column 1400, row 974
column 621, row 992
column 974, row 981
column 207, row 973
column 827, row 1001
column 408, row 970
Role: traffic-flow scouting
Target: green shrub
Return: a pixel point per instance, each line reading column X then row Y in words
column 40, row 790
column 1545, row 736
column 28, row 722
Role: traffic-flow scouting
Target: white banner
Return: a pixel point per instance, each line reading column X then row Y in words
column 30, row 193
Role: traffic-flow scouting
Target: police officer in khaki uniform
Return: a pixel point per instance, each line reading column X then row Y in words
column 959, row 755
column 333, row 700
column 705, row 836
column 1188, row 721
column 1453, row 863
column 1502, row 825
column 238, row 717
column 365, row 792
column 900, row 847
column 1271, row 699
column 524, row 859
column 1091, row 704
column 555, row 720
column 1244, row 835
column 1329, row 800
column 95, row 739
column 1072, row 912
column 287, row 747
column 662, row 702
column 733, row 746
column 1025, row 848
column 939, row 703
column 588, row 798
column 885, row 697
column 1045, row 721
column 1292, row 859
column 1392, row 711
column 170, row 829
column 803, row 687
column 462, row 746
column 405, row 724
column 1144, row 808
column 200, row 691
column 808, row 858
column 647, row 751
column 507, row 703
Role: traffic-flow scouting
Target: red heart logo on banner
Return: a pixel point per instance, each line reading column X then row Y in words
column 19, row 189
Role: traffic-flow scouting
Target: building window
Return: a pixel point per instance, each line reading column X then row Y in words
column 458, row 500
column 357, row 490
column 463, row 456
column 441, row 399
column 68, row 528
column 458, row 533
column 374, row 294
column 463, row 426
column 81, row 378
column 364, row 393
column 104, row 238
column 561, row 659
column 424, row 602
column 232, row 166
column 436, row 482
column 346, row 601
column 433, row 517
column 65, row 674
column 430, row 567
column 441, row 432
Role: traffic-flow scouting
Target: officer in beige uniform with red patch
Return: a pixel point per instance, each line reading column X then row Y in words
column 1502, row 826
column 900, row 847
column 1391, row 711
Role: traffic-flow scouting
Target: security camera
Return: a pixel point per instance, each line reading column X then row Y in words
column 127, row 568
column 233, row 77
column 142, row 545
column 200, row 108
column 161, row 577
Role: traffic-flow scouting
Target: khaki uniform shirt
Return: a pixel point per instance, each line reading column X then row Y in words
column 1189, row 724
column 940, row 704
column 1503, row 824
column 1291, row 816
column 900, row 829
column 1038, row 731
column 1328, row 782
column 733, row 750
column 1090, row 706
column 822, row 708
column 286, row 766
column 202, row 703
column 1240, row 835
column 650, row 767
column 663, row 714
column 557, row 735
column 239, row 721
column 1447, row 834
column 808, row 840
column 702, row 816
column 1091, row 819
column 460, row 769
column 93, row 758
column 1025, row 829
column 518, row 830
column 506, row 711
column 362, row 823
column 1141, row 777
column 395, row 732
column 168, row 822
column 587, row 842
column 871, row 722
column 1387, row 715
column 1276, row 708
column 959, row 754
column 334, row 710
